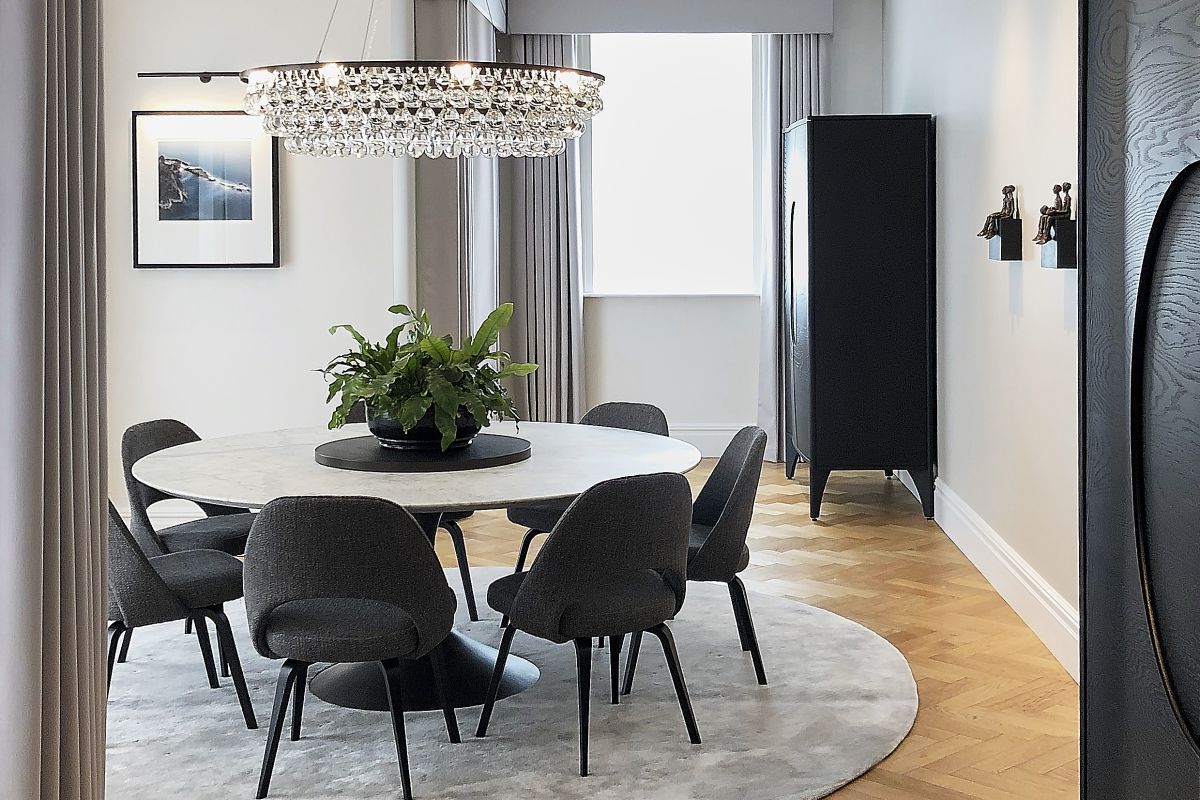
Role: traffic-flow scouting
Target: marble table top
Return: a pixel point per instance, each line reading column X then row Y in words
column 251, row 470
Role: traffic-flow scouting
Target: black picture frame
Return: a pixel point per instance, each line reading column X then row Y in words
column 197, row 263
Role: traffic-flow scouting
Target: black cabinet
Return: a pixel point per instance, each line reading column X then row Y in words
column 859, row 314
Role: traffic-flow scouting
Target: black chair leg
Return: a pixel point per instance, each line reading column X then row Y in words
column 464, row 568
column 685, row 703
column 115, row 631
column 522, row 556
column 298, row 700
column 583, row 669
column 230, row 655
column 283, row 691
column 391, row 673
column 437, row 664
column 124, row 656
column 614, row 666
column 741, row 609
column 494, row 685
column 187, row 626
column 206, row 650
column 635, row 646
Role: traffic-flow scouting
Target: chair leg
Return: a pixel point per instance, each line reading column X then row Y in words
column 614, row 667
column 124, row 655
column 115, row 632
column 583, row 669
column 187, row 626
column 464, row 568
column 522, row 556
column 685, row 704
column 741, row 608
column 494, row 685
column 737, row 616
column 230, row 654
column 298, row 700
column 391, row 673
column 438, row 665
column 205, row 649
column 635, row 646
column 283, row 691
column 526, row 541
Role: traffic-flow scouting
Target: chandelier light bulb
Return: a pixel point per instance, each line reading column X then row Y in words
column 463, row 73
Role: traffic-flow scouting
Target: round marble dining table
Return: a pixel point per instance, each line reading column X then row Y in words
column 251, row 470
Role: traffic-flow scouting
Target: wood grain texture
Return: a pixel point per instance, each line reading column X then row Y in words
column 1142, row 78
column 998, row 716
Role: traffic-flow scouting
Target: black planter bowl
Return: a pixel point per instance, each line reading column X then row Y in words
column 424, row 436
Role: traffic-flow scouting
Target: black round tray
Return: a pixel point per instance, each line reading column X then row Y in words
column 365, row 454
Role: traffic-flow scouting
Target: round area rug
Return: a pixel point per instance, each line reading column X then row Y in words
column 840, row 699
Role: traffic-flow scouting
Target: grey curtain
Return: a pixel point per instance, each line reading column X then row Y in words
column 792, row 82
column 52, row 565
column 541, row 269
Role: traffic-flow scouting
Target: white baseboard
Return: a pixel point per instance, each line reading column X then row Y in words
column 710, row 440
column 1043, row 609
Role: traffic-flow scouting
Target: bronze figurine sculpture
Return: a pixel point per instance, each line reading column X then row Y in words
column 1060, row 210
column 991, row 226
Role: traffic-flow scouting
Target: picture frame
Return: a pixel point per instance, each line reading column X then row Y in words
column 205, row 191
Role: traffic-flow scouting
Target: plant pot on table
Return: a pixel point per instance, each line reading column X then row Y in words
column 424, row 436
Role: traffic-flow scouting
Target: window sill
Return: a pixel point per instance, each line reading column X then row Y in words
column 667, row 295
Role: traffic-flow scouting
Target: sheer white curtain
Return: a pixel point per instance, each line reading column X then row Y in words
column 791, row 81
column 52, row 535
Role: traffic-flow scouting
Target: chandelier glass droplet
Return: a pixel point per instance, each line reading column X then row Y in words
column 423, row 108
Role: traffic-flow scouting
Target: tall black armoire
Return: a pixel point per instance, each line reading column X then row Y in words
column 859, row 315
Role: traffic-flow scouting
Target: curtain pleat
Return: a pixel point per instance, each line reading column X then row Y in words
column 52, row 550
column 542, row 269
column 792, row 82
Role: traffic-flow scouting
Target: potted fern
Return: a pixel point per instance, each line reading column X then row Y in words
column 422, row 392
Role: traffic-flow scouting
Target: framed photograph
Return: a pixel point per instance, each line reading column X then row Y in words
column 205, row 191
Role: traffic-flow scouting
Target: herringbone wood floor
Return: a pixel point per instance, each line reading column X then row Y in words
column 998, row 716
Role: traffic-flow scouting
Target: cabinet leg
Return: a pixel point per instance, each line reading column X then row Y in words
column 888, row 473
column 817, row 478
column 923, row 478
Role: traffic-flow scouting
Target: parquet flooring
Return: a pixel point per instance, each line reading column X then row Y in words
column 998, row 716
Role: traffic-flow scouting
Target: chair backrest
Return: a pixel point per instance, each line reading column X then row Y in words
column 617, row 527
column 726, row 504
column 140, row 441
column 304, row 548
column 628, row 416
column 137, row 595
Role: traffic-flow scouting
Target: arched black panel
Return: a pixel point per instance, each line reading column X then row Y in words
column 1165, row 443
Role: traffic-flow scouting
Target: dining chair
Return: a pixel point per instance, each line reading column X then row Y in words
column 345, row 579
column 222, row 528
column 150, row 588
column 717, row 548
column 540, row 518
column 448, row 523
column 614, row 564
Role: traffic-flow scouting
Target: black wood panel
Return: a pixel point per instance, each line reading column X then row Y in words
column 1140, row 129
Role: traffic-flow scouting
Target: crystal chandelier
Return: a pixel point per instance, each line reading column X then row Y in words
column 423, row 108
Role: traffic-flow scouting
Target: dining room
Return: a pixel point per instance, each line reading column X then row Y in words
column 539, row 399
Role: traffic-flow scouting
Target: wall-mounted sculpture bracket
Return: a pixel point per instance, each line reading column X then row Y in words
column 1061, row 252
column 1003, row 228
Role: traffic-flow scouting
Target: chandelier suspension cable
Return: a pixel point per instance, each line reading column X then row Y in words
column 328, row 27
column 367, row 33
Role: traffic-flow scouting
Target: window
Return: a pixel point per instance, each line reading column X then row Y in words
column 672, row 172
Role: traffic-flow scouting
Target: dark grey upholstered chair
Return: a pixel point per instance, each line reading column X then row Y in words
column 346, row 579
column 448, row 523
column 717, row 543
column 146, row 588
column 222, row 528
column 614, row 564
column 541, row 518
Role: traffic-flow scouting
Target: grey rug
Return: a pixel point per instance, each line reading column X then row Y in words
column 840, row 700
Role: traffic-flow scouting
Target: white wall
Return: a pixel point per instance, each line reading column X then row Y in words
column 234, row 350
column 856, row 57
column 696, row 358
column 1001, row 78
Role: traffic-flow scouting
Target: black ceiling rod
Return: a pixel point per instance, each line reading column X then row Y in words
column 205, row 77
